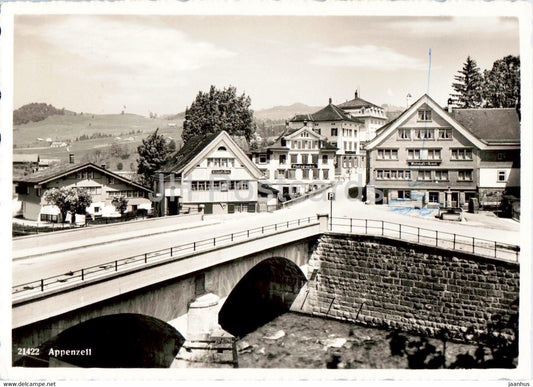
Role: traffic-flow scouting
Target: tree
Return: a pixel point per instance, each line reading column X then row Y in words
column 219, row 110
column 501, row 86
column 468, row 85
column 153, row 153
column 120, row 203
column 73, row 200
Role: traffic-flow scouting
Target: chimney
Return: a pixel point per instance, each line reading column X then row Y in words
column 356, row 94
column 71, row 158
column 450, row 103
column 330, row 101
column 103, row 165
column 305, row 121
column 408, row 99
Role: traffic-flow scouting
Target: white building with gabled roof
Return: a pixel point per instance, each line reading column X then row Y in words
column 209, row 173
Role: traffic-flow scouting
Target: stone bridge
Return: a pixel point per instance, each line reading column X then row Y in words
column 375, row 280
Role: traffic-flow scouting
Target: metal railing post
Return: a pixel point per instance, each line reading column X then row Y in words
column 42, row 285
column 418, row 234
column 194, row 245
column 351, row 225
column 116, row 265
column 495, row 248
column 473, row 245
column 82, row 275
column 366, row 226
column 171, row 251
column 382, row 228
column 454, row 236
column 248, row 233
column 214, row 241
column 436, row 238
column 400, row 230
column 145, row 257
column 263, row 230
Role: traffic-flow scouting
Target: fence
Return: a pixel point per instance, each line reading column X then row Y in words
column 170, row 253
column 428, row 237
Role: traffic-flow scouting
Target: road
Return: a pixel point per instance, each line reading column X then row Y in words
column 36, row 267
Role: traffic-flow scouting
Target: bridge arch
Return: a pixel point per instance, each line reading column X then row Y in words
column 266, row 291
column 125, row 340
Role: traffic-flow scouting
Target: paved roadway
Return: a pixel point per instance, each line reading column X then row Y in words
column 36, row 267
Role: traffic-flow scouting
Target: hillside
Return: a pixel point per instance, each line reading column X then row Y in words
column 285, row 112
column 35, row 112
column 91, row 136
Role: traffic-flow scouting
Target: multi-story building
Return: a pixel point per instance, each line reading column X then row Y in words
column 211, row 174
column 299, row 161
column 344, row 133
column 372, row 115
column 102, row 184
column 430, row 155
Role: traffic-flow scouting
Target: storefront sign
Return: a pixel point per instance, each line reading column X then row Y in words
column 304, row 166
column 221, row 171
column 424, row 163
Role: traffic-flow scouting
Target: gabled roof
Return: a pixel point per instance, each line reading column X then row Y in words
column 199, row 147
column 180, row 158
column 476, row 120
column 357, row 103
column 294, row 133
column 329, row 113
column 58, row 171
column 490, row 125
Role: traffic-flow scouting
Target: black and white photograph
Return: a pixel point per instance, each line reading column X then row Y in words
column 312, row 190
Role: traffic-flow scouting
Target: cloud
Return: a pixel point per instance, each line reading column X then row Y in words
column 130, row 45
column 367, row 56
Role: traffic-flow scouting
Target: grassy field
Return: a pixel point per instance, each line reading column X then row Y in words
column 69, row 127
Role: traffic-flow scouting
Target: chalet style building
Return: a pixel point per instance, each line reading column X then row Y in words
column 344, row 133
column 210, row 174
column 372, row 115
column 299, row 161
column 102, row 184
column 432, row 156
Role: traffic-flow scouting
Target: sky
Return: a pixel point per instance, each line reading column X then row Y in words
column 141, row 64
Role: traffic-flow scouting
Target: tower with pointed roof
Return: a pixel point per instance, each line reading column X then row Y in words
column 372, row 115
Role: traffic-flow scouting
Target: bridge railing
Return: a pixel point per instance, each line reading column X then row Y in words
column 170, row 253
column 424, row 236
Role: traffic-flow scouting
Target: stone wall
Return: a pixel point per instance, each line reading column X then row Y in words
column 392, row 284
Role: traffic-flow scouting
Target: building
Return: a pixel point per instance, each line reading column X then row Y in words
column 372, row 115
column 102, row 184
column 432, row 156
column 211, row 174
column 344, row 133
column 24, row 164
column 301, row 160
column 499, row 159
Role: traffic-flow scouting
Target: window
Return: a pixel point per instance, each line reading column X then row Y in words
column 304, row 134
column 501, row 156
column 324, row 159
column 266, row 172
column 294, row 159
column 445, row 134
column 280, row 174
column 433, row 197
column 314, row 158
column 424, row 175
column 305, row 159
column 394, row 174
column 325, row 174
column 465, row 175
column 305, row 174
column 461, row 154
column 216, row 185
column 38, row 191
column 316, row 173
column 387, row 154
column 413, row 154
column 424, row 134
column 441, row 175
column 424, row 115
column 221, row 148
column 501, row 176
column 194, row 186
column 282, row 159
column 404, row 194
column 262, row 159
column 291, row 174
column 334, row 131
column 404, row 134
